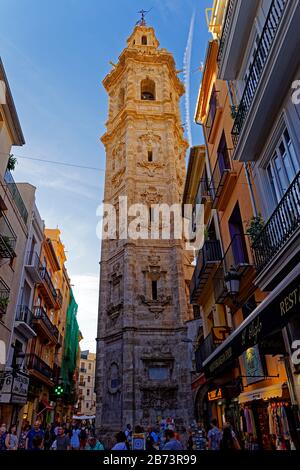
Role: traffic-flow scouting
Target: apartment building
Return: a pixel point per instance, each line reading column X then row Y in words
column 87, row 396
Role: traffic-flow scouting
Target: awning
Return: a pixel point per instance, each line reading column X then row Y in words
column 265, row 393
column 269, row 317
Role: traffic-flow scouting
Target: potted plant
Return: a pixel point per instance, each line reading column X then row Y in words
column 255, row 228
column 3, row 304
column 12, row 161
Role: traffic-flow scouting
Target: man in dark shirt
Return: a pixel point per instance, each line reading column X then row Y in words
column 35, row 431
column 62, row 441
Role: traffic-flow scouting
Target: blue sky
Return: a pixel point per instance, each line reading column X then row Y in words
column 56, row 53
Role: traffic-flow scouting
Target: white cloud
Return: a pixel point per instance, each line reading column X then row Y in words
column 86, row 292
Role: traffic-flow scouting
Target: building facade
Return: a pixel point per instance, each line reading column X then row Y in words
column 252, row 175
column 87, row 395
column 142, row 369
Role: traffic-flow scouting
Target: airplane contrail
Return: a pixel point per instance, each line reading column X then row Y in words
column 187, row 77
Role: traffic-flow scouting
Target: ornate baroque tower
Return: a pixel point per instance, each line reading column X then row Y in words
column 143, row 367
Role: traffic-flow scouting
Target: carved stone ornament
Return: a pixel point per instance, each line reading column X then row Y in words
column 151, row 167
column 117, row 178
column 151, row 196
column 156, row 306
column 162, row 398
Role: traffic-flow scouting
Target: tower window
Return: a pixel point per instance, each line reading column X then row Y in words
column 148, row 90
column 150, row 156
column 121, row 98
column 144, row 40
column 154, row 290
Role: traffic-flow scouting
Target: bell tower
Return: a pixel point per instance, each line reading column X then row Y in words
column 143, row 366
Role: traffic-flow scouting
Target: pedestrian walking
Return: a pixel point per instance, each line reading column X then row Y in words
column 37, row 443
column 94, row 444
column 3, row 434
column 35, row 431
column 121, row 443
column 214, row 436
column 62, row 440
column 11, row 440
column 229, row 440
column 75, row 441
column 83, row 436
column 23, row 435
column 171, row 442
column 48, row 437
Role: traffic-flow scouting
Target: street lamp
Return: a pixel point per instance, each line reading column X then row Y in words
column 19, row 360
column 232, row 281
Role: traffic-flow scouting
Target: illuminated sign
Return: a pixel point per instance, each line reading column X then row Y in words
column 215, row 395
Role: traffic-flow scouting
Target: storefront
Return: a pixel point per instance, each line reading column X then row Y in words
column 13, row 395
column 264, row 327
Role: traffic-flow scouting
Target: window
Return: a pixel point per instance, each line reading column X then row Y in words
column 87, row 405
column 144, row 40
column 283, row 166
column 150, row 156
column 159, row 373
column 147, row 90
column 88, row 392
column 121, row 99
column 89, row 378
column 90, row 366
column 154, row 290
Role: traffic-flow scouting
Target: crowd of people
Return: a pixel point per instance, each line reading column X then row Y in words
column 75, row 436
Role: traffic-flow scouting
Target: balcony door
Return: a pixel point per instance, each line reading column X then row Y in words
column 223, row 157
column 283, row 166
column 236, row 230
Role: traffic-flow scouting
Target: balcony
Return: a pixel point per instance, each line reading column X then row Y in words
column 59, row 298
column 23, row 322
column 39, row 369
column 270, row 78
column 8, row 239
column 44, row 326
column 48, row 288
column 4, row 296
column 280, row 235
column 238, row 21
column 223, row 179
column 210, row 343
column 33, row 266
column 82, row 384
column 236, row 258
column 214, row 113
column 17, row 198
column 83, row 370
column 208, row 259
column 256, row 71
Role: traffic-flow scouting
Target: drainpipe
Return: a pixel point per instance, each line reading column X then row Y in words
column 254, row 206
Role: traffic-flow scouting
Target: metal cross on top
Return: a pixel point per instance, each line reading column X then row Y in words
column 142, row 21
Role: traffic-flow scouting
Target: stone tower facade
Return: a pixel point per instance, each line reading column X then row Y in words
column 143, row 368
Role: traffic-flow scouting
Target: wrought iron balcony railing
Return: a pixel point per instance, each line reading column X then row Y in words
column 209, row 254
column 4, row 296
column 59, row 297
column 33, row 362
column 13, row 189
column 24, row 314
column 46, row 277
column 281, row 226
column 225, row 29
column 260, row 59
column 209, row 344
column 221, row 169
column 8, row 238
column 40, row 314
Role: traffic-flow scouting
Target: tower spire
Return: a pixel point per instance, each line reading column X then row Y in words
column 142, row 21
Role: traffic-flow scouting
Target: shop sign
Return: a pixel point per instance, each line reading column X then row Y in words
column 253, row 366
column 220, row 333
column 215, row 395
column 265, row 321
column 13, row 387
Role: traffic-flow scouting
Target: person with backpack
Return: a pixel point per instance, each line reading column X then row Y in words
column 214, row 436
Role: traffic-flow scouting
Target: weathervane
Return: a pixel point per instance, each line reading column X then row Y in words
column 142, row 21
